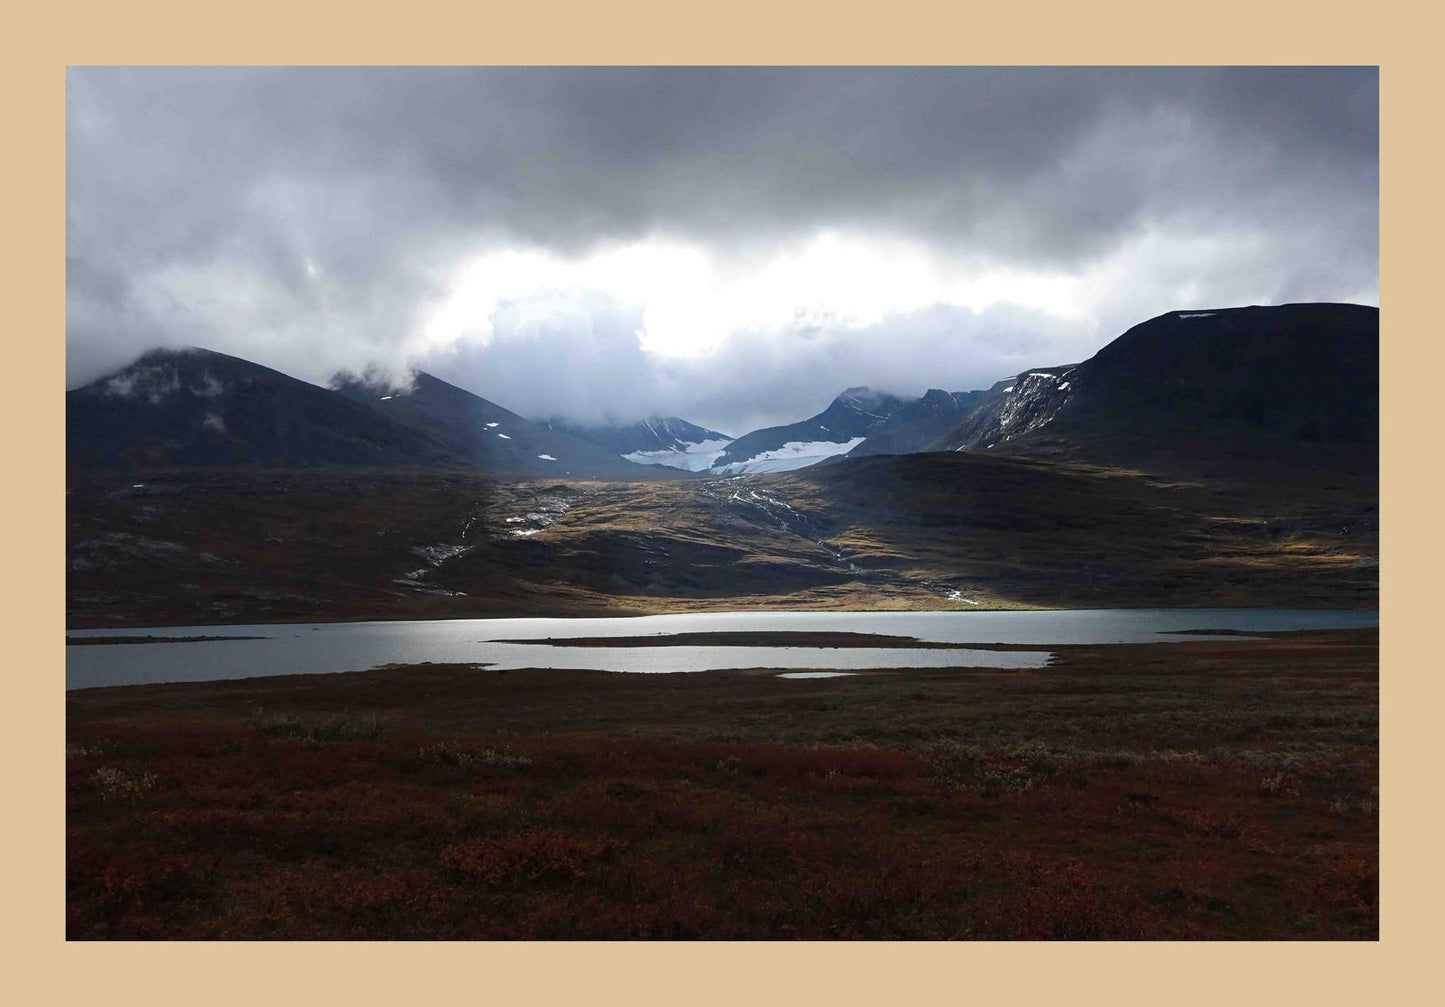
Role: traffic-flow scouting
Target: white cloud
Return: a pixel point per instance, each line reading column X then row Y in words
column 691, row 302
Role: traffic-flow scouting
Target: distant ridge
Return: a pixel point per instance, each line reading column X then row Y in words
column 487, row 436
column 196, row 407
column 1294, row 385
column 193, row 407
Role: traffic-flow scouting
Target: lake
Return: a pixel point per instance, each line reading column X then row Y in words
column 293, row 649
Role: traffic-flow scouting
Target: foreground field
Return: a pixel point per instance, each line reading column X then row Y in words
column 1206, row 789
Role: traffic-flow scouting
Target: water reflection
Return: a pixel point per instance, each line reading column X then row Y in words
column 338, row 647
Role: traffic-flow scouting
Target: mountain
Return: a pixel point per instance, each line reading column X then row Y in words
column 494, row 439
column 918, row 423
column 661, row 440
column 1189, row 392
column 1293, row 384
column 844, row 425
column 1012, row 407
column 195, row 407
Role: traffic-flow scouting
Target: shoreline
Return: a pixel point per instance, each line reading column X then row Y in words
column 133, row 627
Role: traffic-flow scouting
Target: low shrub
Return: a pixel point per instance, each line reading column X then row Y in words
column 118, row 783
column 1011, row 768
column 451, row 753
column 318, row 730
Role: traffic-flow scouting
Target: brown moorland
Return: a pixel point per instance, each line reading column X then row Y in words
column 935, row 531
column 1205, row 789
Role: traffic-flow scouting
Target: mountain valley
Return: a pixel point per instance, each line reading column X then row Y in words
column 1202, row 459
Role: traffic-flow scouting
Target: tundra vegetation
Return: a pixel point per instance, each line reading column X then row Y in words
column 933, row 531
column 1225, row 788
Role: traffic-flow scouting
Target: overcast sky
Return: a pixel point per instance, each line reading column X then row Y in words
column 734, row 246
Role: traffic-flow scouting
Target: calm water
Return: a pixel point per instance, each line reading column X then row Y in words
column 333, row 647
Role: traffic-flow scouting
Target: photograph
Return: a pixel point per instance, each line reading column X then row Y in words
column 721, row 503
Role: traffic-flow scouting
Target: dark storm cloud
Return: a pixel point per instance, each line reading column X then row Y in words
column 310, row 218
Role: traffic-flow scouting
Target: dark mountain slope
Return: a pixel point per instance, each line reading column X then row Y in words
column 494, row 439
column 1296, row 384
column 918, row 423
column 194, row 407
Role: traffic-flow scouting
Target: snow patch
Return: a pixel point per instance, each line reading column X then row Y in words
column 436, row 555
column 694, row 456
column 504, row 437
column 491, row 425
column 1200, row 314
column 547, row 458
column 792, row 455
